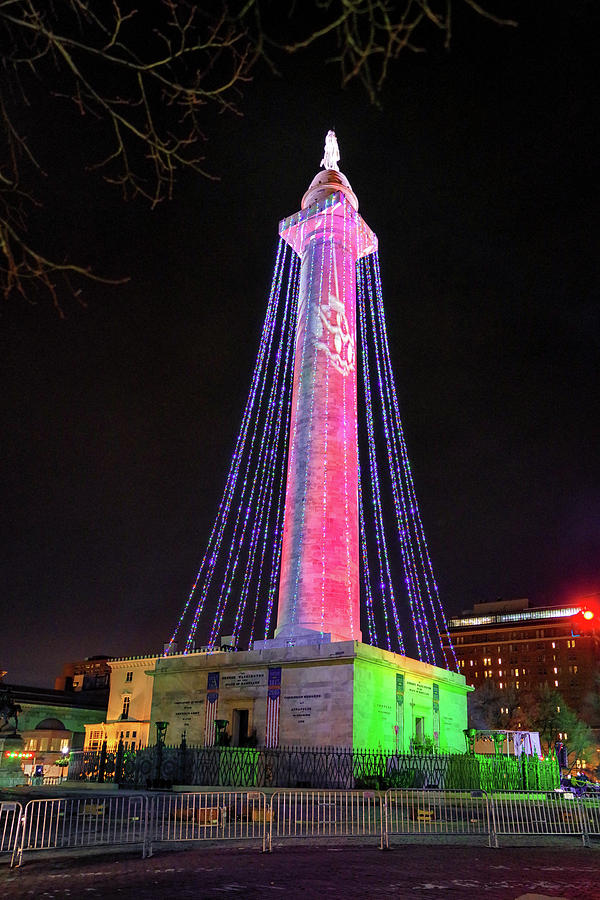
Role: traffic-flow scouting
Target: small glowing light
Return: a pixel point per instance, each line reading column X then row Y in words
column 588, row 615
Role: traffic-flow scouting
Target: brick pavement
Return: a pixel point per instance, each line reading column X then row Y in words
column 303, row 873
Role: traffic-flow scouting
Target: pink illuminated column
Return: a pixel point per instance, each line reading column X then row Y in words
column 319, row 583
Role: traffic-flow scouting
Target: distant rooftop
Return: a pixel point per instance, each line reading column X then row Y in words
column 23, row 693
column 504, row 612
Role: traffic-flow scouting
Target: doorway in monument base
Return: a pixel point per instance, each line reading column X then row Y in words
column 420, row 729
column 239, row 727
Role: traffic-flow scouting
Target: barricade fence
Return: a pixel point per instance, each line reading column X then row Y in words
column 214, row 815
column 11, row 813
column 542, row 813
column 437, row 812
column 325, row 814
column 146, row 820
column 82, row 822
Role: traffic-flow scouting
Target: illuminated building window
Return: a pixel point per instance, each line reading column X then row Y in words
column 517, row 685
column 129, row 676
column 501, row 686
column 125, row 711
column 555, row 683
column 516, row 671
column 554, row 645
column 555, row 670
column 470, row 662
column 499, row 661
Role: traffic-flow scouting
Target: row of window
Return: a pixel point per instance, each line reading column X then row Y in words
column 519, row 648
column 97, row 738
column 520, row 617
column 48, row 744
column 516, row 671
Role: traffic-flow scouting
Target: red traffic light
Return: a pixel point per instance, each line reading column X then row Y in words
column 584, row 620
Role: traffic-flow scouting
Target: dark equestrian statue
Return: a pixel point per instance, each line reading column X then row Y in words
column 9, row 710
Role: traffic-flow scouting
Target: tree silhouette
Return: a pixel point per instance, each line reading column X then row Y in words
column 142, row 78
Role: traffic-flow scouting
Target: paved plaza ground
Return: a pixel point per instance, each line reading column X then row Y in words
column 302, row 873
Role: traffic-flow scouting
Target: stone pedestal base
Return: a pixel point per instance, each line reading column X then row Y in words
column 11, row 772
column 343, row 694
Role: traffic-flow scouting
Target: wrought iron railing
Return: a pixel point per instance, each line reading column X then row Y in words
column 309, row 767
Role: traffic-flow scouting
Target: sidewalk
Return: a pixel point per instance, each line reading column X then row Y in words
column 303, row 873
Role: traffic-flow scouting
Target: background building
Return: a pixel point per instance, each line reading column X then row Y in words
column 90, row 676
column 51, row 723
column 129, row 706
column 521, row 648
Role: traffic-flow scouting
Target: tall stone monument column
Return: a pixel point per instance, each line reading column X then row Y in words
column 319, row 596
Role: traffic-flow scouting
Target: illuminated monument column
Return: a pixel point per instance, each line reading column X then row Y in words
column 319, row 598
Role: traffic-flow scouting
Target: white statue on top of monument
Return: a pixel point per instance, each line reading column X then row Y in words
column 331, row 156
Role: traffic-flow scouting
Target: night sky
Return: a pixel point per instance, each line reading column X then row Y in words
column 480, row 177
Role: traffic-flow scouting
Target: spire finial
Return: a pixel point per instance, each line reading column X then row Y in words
column 331, row 155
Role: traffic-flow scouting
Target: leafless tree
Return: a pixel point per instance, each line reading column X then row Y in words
column 147, row 74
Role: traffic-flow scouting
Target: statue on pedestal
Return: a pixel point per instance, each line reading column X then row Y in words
column 9, row 710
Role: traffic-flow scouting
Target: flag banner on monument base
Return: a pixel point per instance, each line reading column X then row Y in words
column 212, row 702
column 273, row 703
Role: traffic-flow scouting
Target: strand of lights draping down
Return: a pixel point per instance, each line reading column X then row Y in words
column 278, row 537
column 324, row 495
column 214, row 545
column 275, row 444
column 265, row 355
column 385, row 579
column 243, row 508
column 400, row 431
column 247, row 508
column 239, row 447
column 434, row 597
column 284, row 412
column 278, row 474
column 411, row 506
column 417, row 610
column 328, row 210
column 411, row 572
column 365, row 566
column 345, row 281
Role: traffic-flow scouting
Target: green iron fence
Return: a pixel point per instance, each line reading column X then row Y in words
column 311, row 767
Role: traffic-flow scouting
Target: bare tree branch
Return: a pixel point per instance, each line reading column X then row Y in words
column 145, row 75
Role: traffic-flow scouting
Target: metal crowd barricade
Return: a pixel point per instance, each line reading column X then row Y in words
column 590, row 808
column 324, row 814
column 431, row 812
column 208, row 816
column 537, row 812
column 11, row 813
column 82, row 822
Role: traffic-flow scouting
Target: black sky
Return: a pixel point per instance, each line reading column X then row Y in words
column 480, row 177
